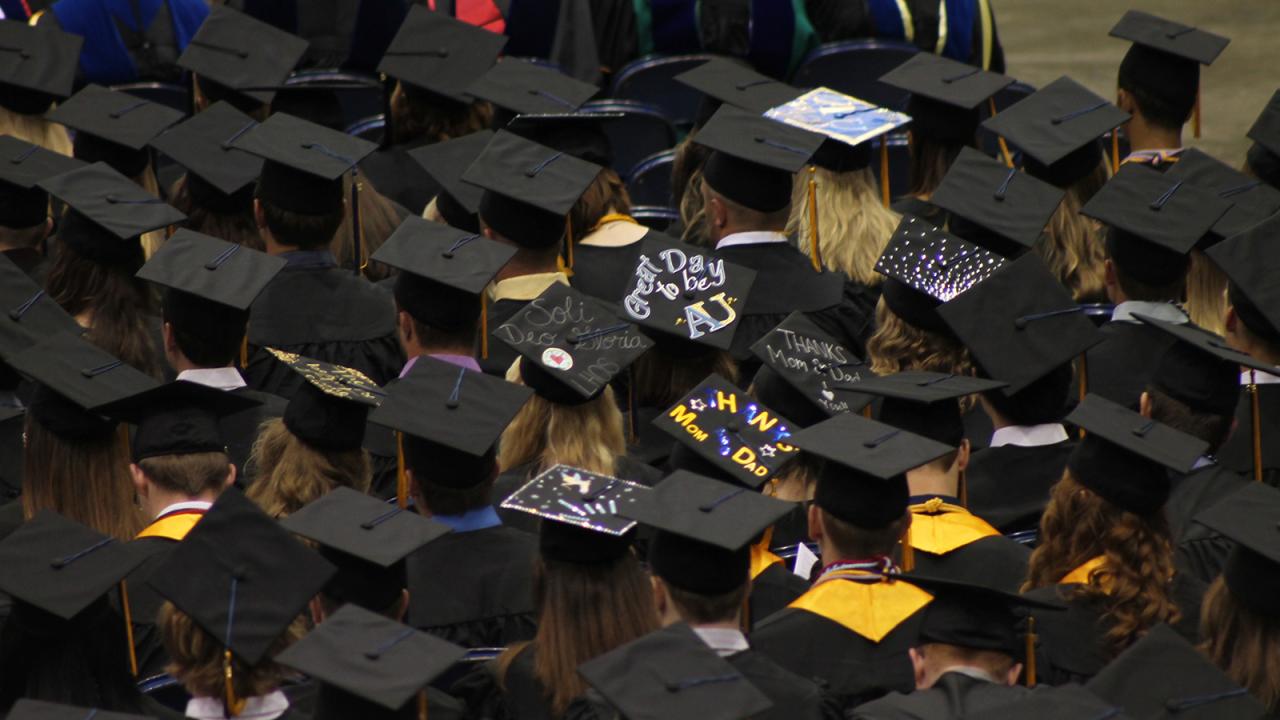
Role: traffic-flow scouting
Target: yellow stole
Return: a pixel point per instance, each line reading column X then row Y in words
column 938, row 527
column 870, row 609
column 1080, row 576
column 761, row 558
column 172, row 527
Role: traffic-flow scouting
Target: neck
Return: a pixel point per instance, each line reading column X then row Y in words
column 734, row 624
column 526, row 264
column 180, row 363
column 414, row 348
column 158, row 499
column 1145, row 136
column 930, row 481
column 998, row 421
column 273, row 247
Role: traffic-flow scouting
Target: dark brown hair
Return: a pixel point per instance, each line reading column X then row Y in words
column 86, row 481
column 239, row 228
column 414, row 115
column 305, row 232
column 196, row 659
column 930, row 160
column 1242, row 643
column 704, row 609
column 190, row 474
column 606, row 194
column 853, row 542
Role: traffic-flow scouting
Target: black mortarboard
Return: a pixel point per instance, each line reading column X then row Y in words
column 371, row 657
column 683, row 291
column 1164, row 676
column 580, row 134
column 671, row 674
column 27, row 709
column 330, row 409
column 61, row 566
column 1170, row 37
column 975, row 615
column 529, row 188
column 582, row 514
column 523, row 87
column 1201, row 370
column 754, row 157
column 240, row 52
column 571, row 345
column 1249, row 516
column 241, row 576
column 440, row 54
column 1051, row 702
column 1057, row 127
column 443, row 271
column 177, row 418
column 27, row 313
column 113, row 126
column 925, row 267
column 704, row 529
column 864, row 481
column 945, row 94
column 736, row 84
column 1251, row 261
column 1020, row 324
column 458, row 201
column 1164, row 60
column 214, row 270
column 110, row 212
column 367, row 540
column 38, row 65
column 817, row 366
column 847, row 125
column 926, row 403
column 745, row 440
column 23, row 203
column 202, row 144
column 1011, row 205
column 1252, row 200
column 1265, row 130
column 1125, row 457
column 304, row 162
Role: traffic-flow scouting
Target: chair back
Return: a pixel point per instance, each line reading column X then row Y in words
column 854, row 67
column 642, row 131
column 651, row 80
column 650, row 181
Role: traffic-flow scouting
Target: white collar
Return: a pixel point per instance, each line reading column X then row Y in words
column 755, row 237
column 1262, row 378
column 185, row 505
column 263, row 707
column 1166, row 311
column 1029, row 435
column 223, row 378
column 725, row 641
column 973, row 672
column 618, row 233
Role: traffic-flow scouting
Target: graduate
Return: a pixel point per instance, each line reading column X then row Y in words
column 26, row 217
column 237, row 59
column 28, row 89
column 1263, row 158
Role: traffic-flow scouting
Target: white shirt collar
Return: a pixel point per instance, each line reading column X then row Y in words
column 1262, row 378
column 185, row 505
column 1166, row 311
column 1029, row 435
column 755, row 237
column 973, row 672
column 725, row 641
column 264, row 707
column 224, row 378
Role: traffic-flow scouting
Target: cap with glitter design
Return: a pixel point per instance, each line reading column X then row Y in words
column 753, row 157
column 239, row 52
column 523, row 87
column 202, row 144
column 822, row 374
column 23, row 204
column 330, row 409
column 993, row 205
column 440, row 54
column 945, row 94
column 582, row 513
column 37, row 66
column 1252, row 200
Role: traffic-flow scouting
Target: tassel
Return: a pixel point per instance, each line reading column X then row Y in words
column 402, row 480
column 422, row 704
column 484, row 326
column 1031, row 652
column 866, row 411
column 1195, row 115
column 884, row 169
column 814, row 252
column 1257, row 422
column 357, row 249
column 568, row 247
column 128, row 628
column 1004, row 147
column 1084, row 382
column 908, row 553
column 244, row 352
column 1115, row 151
column 235, row 705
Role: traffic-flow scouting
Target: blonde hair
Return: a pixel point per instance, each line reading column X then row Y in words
column 154, row 240
column 87, row 481
column 589, row 436
column 1072, row 247
column 291, row 473
column 898, row 346
column 378, row 219
column 1206, row 293
column 36, row 130
column 854, row 226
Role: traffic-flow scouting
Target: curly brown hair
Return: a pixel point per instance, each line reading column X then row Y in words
column 1243, row 643
column 898, row 346
column 291, row 473
column 1132, row 586
column 197, row 657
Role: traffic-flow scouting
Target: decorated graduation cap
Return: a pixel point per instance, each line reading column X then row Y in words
column 108, row 212
column 571, row 345
column 704, row 530
column 37, row 66
column 23, row 204
column 1154, row 220
column 806, row 374
column 995, row 206
column 1164, row 676
column 848, row 124
column 1252, row 200
column 1057, row 128
column 1249, row 517
column 753, row 157
column 241, row 54
column 682, row 291
column 27, row 313
column 439, row 54
column 520, row 86
column 458, row 201
column 1201, row 370
column 731, row 82
column 28, row 709
column 330, row 409
column 974, row 615
column 671, row 674
column 368, row 665
column 1125, row 458
column 1263, row 157
column 926, row 403
column 113, row 126
column 863, row 480
column 925, row 267
column 1250, row 261
column 177, row 418
column 219, row 177
column 945, row 95
column 304, row 164
column 367, row 540
column 745, row 441
column 584, row 518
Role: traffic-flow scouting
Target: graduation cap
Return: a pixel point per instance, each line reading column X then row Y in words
column 37, row 66
column 705, row 528
column 1020, row 324
column 926, row 403
column 975, row 615
column 1155, row 221
column 1052, row 702
column 754, row 157
column 177, row 418
column 1201, row 370
column 28, row 709
column 1249, row 517
column 583, row 514
column 23, row 204
column 1009, row 208
column 27, row 313
column 1252, row 200
column 529, row 188
column 113, row 126
column 304, row 164
column 1164, row 676
column 683, row 291
column 241, row 577
column 580, row 134
column 742, row 438
column 219, row 176
column 213, row 270
column 735, row 83
column 368, row 658
column 1125, row 457
column 330, row 409
column 523, row 87
column 821, row 372
column 864, row 481
column 1264, row 156
column 671, row 674
column 571, row 345
column 1057, row 127
column 1250, row 261
column 109, row 212
column 847, row 123
column 240, row 52
column 945, row 94
column 458, row 202
column 367, row 541
column 440, row 54
column 924, row 267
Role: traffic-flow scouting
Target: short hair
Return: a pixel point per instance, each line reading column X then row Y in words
column 1166, row 101
column 698, row 609
column 1042, row 402
column 433, row 336
column 305, row 232
column 1211, row 428
column 749, row 217
column 851, row 541
column 427, row 460
column 190, row 474
column 209, row 334
column 994, row 662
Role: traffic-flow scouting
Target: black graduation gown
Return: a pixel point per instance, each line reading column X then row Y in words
column 475, row 588
column 1237, row 453
column 11, row 458
column 240, row 430
column 515, row 478
column 304, row 698
column 1008, row 486
column 772, row 591
column 1001, row 561
column 326, row 313
column 652, row 446
column 952, row 697
column 1201, row 552
column 794, row 698
column 145, row 603
column 396, row 175
column 1122, row 364
column 518, row 695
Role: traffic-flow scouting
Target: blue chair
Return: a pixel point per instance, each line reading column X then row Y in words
column 1025, row 537
column 854, row 67
column 1098, row 313
column 788, row 552
column 655, row 218
column 166, row 690
column 370, row 128
column 651, row 80
column 641, row 131
column 650, row 181
column 177, row 97
column 342, row 98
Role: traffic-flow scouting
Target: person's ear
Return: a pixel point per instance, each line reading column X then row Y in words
column 140, row 485
column 1124, row 100
column 259, row 217
column 404, row 606
column 170, row 344
column 405, row 324
column 231, row 475
column 917, row 666
column 1230, row 320
column 317, row 610
column 48, row 228
column 1011, row 677
column 1144, row 405
column 659, row 595
column 1109, row 273
column 816, row 531
column 963, row 453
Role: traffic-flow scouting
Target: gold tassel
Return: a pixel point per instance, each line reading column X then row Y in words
column 866, row 411
column 1004, row 147
column 1195, row 115
column 244, row 352
column 422, row 704
column 1084, row 382
column 908, row 553
column 235, row 705
column 128, row 628
column 1031, row 652
column 484, row 326
column 1115, row 150
column 814, row 253
column 402, row 480
column 1257, row 424
column 568, row 247
column 884, row 169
